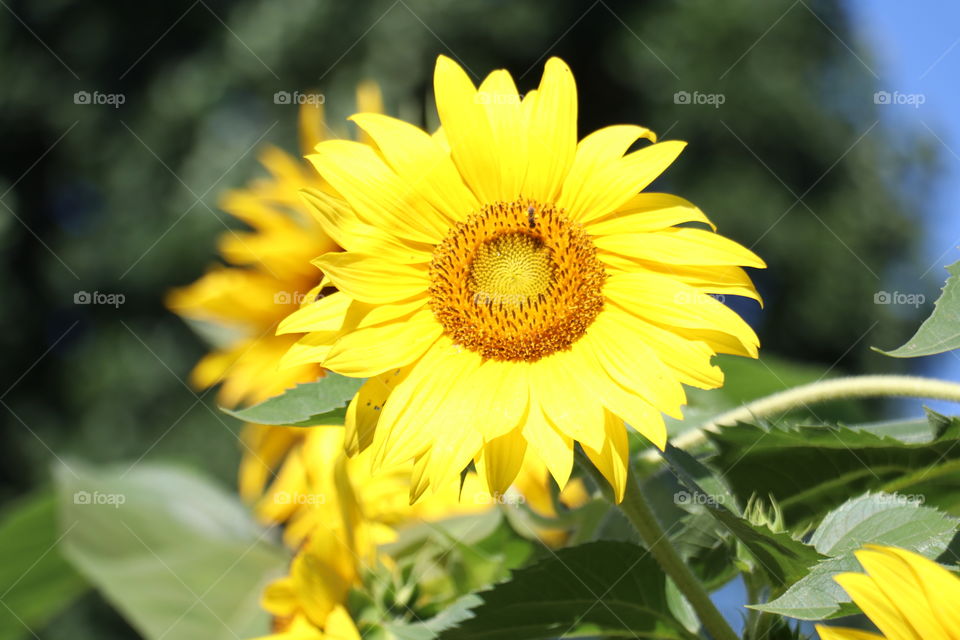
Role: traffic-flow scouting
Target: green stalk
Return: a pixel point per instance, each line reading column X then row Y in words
column 823, row 391
column 641, row 516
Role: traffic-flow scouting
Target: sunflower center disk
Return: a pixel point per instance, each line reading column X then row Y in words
column 516, row 281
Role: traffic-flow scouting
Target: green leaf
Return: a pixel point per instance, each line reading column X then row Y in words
column 811, row 469
column 177, row 556
column 782, row 558
column 306, row 405
column 604, row 588
column 431, row 628
column 36, row 581
column 873, row 518
column 941, row 331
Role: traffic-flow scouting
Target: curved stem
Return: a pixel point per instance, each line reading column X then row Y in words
column 823, row 391
column 641, row 516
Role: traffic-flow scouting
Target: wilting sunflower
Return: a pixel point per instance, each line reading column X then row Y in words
column 907, row 596
column 510, row 292
column 266, row 274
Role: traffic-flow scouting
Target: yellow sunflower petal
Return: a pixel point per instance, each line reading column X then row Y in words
column 611, row 460
column 568, row 406
column 649, row 212
column 551, row 133
column 402, row 430
column 620, row 348
column 326, row 314
column 881, row 611
column 554, row 448
column 340, row 626
column 365, row 409
column 309, row 349
column 280, row 597
column 451, row 452
column 501, row 459
column 681, row 246
column 499, row 391
column 500, row 98
column 378, row 195
column 690, row 360
column 724, row 280
column 610, row 187
column 902, row 587
column 373, row 350
column 467, row 129
column 841, row 633
column 594, row 153
column 419, row 481
column 663, row 302
column 361, row 314
column 622, row 401
column 420, row 161
column 371, row 279
column 942, row 588
column 340, row 222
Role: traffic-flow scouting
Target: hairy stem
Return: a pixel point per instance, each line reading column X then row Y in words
column 824, row 391
column 641, row 516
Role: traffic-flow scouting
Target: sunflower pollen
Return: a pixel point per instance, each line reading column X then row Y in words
column 516, row 282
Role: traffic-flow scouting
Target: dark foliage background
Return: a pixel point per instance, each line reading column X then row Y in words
column 123, row 200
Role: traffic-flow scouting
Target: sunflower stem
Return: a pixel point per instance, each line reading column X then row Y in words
column 824, row 391
column 634, row 506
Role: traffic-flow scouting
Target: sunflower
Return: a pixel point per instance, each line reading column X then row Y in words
column 320, row 491
column 308, row 603
column 266, row 274
column 510, row 292
column 907, row 596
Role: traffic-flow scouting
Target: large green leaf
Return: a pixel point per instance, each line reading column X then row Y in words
column 608, row 589
column 877, row 518
column 176, row 555
column 811, row 469
column 783, row 559
column 941, row 331
column 36, row 581
column 305, row 405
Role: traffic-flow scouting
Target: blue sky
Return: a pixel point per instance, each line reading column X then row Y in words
column 915, row 46
column 916, row 51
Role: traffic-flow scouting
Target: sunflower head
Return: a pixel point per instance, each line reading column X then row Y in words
column 516, row 281
column 511, row 292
